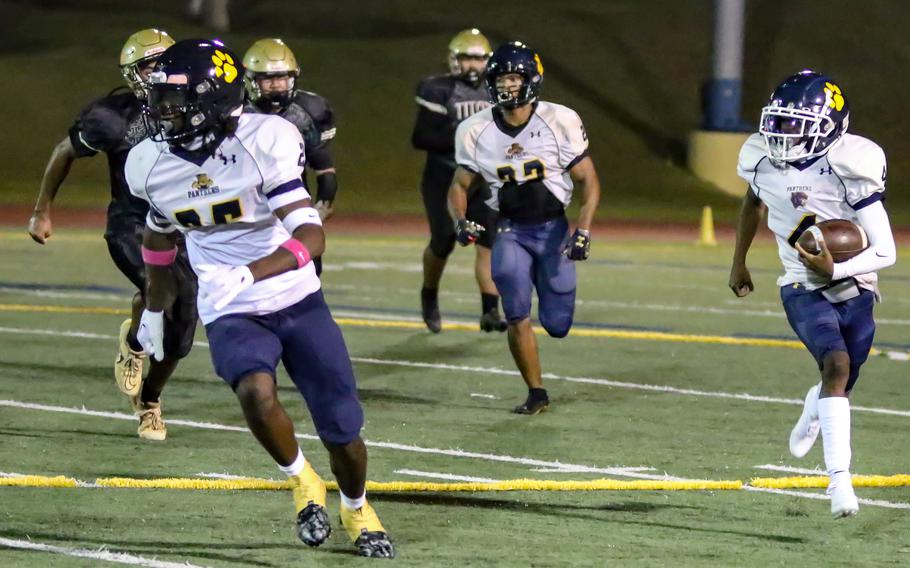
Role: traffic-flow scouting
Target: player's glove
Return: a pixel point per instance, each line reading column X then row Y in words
column 467, row 232
column 223, row 283
column 151, row 334
column 579, row 246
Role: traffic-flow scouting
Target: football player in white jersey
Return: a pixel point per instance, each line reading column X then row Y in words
column 230, row 182
column 805, row 168
column 531, row 153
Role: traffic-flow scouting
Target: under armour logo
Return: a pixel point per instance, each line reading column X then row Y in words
column 233, row 159
column 824, row 171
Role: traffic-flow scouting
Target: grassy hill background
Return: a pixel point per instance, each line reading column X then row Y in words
column 632, row 68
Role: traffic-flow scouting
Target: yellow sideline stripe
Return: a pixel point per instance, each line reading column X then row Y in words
column 419, row 326
column 381, row 487
column 38, row 481
column 821, row 482
column 205, row 484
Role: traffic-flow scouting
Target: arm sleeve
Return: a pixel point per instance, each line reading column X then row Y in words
column 466, row 147
column 99, row 128
column 434, row 129
column 573, row 143
column 280, row 154
column 881, row 252
column 320, row 158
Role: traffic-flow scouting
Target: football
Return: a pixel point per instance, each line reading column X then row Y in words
column 845, row 239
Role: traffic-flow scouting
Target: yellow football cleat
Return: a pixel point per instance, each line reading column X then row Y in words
column 128, row 364
column 151, row 425
column 313, row 526
column 368, row 534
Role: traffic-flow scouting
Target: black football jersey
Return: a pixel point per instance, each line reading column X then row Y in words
column 113, row 125
column 443, row 101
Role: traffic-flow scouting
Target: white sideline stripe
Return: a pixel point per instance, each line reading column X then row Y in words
column 790, row 469
column 588, row 470
column 618, row 471
column 824, row 497
column 482, row 395
column 446, row 476
column 8, row 474
column 511, row 373
column 65, row 295
column 222, row 475
column 101, row 554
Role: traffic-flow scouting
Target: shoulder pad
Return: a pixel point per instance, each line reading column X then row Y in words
column 437, row 88
column 317, row 107
column 752, row 152
column 858, row 157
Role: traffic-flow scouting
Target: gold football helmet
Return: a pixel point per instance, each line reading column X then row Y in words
column 269, row 57
column 141, row 48
column 468, row 42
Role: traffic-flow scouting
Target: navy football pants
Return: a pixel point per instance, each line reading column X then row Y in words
column 308, row 341
column 824, row 327
column 526, row 256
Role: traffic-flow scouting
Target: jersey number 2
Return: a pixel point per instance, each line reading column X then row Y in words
column 533, row 170
column 222, row 213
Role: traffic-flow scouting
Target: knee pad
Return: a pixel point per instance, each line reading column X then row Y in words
column 442, row 248
column 340, row 423
column 557, row 327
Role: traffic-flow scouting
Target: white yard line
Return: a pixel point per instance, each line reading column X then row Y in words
column 446, row 476
column 824, row 497
column 554, row 466
column 482, row 395
column 513, row 373
column 790, row 469
column 100, row 554
column 636, row 469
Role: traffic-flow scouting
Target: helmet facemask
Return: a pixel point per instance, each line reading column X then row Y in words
column 510, row 97
column 471, row 76
column 176, row 114
column 132, row 74
column 273, row 101
column 795, row 135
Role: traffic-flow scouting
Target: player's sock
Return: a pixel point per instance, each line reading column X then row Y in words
column 295, row 467
column 834, row 416
column 353, row 504
column 488, row 302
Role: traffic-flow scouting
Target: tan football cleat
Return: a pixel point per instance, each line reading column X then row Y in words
column 128, row 364
column 313, row 526
column 367, row 533
column 151, row 425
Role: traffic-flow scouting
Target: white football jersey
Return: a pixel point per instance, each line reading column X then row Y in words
column 224, row 205
column 850, row 176
column 544, row 149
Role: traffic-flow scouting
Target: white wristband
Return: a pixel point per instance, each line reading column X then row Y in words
column 303, row 216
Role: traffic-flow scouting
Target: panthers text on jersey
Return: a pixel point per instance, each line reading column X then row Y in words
column 113, row 125
column 443, row 101
column 850, row 176
column 527, row 167
column 225, row 205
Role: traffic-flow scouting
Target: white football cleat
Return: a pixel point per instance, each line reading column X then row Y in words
column 804, row 434
column 843, row 499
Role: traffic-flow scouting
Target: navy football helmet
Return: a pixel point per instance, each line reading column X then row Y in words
column 514, row 57
column 196, row 90
column 807, row 113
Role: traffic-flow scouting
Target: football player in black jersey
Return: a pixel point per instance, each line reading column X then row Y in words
column 271, row 88
column 443, row 101
column 113, row 124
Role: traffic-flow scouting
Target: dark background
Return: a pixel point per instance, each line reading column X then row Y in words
column 633, row 70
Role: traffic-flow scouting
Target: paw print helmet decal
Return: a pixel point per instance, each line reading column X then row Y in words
column 806, row 114
column 196, row 90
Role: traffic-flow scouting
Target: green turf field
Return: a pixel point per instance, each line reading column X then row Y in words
column 438, row 406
